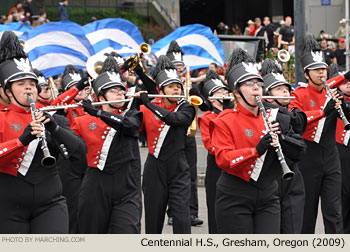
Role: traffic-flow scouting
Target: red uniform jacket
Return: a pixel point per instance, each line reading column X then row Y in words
column 203, row 123
column 234, row 135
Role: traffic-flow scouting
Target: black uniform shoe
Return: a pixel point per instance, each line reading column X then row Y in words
column 170, row 221
column 195, row 221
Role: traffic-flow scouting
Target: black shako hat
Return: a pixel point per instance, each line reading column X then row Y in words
column 110, row 76
column 212, row 84
column 165, row 72
column 14, row 63
column 71, row 76
column 175, row 53
column 42, row 81
column 273, row 76
column 242, row 67
column 312, row 57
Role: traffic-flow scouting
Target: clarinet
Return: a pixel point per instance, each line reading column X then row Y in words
column 340, row 110
column 286, row 172
column 47, row 161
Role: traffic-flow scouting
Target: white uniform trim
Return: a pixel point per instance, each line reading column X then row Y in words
column 163, row 134
column 105, row 149
column 320, row 125
column 346, row 137
column 28, row 157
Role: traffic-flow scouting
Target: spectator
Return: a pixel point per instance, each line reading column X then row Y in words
column 324, row 35
column 282, row 24
column 93, row 19
column 250, row 23
column 341, row 32
column 236, row 30
column 221, row 28
column 259, row 31
column 42, row 18
column 3, row 19
column 27, row 6
column 339, row 53
column 286, row 36
column 328, row 53
column 62, row 12
column 15, row 8
column 269, row 28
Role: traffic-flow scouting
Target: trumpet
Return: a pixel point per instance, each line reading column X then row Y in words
column 283, row 55
column 262, row 97
column 340, row 110
column 286, row 172
column 94, row 65
column 145, row 49
column 53, row 108
column 47, row 161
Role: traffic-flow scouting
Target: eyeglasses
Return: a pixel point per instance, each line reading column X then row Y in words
column 252, row 83
column 116, row 91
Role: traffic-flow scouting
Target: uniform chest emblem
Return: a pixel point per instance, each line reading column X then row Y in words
column 312, row 103
column 16, row 127
column 93, row 126
column 249, row 133
column 74, row 114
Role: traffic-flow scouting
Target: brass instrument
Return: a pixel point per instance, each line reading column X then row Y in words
column 47, row 161
column 145, row 49
column 283, row 55
column 94, row 65
column 53, row 108
column 286, row 172
column 340, row 110
column 262, row 97
column 195, row 100
column 53, row 89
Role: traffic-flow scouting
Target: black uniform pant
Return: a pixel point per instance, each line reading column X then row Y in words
column 344, row 154
column 322, row 178
column 212, row 174
column 242, row 208
column 292, row 197
column 108, row 203
column 36, row 209
column 71, row 174
column 167, row 183
column 191, row 158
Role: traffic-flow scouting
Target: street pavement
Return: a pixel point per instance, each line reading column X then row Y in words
column 202, row 213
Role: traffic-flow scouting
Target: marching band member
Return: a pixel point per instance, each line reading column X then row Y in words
column 213, row 86
column 109, row 200
column 342, row 138
column 44, row 97
column 175, row 54
column 320, row 166
column 291, row 192
column 246, row 193
column 31, row 194
column 166, row 171
column 4, row 100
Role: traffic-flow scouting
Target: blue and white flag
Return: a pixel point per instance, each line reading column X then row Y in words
column 52, row 46
column 114, row 34
column 200, row 45
column 17, row 27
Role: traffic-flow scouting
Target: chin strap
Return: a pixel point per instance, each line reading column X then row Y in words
column 307, row 72
column 26, row 106
column 244, row 99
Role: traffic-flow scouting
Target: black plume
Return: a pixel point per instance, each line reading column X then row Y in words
column 174, row 47
column 70, row 69
column 163, row 63
column 333, row 70
column 269, row 66
column 211, row 74
column 310, row 43
column 114, row 54
column 111, row 65
column 239, row 56
column 38, row 73
column 10, row 47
